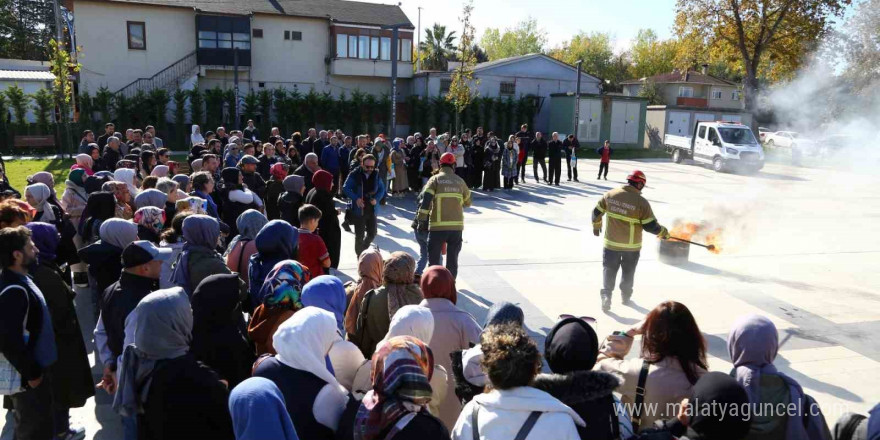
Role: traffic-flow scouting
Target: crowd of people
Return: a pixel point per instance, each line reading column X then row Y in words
column 219, row 314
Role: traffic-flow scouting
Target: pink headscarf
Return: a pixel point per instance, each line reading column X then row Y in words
column 84, row 162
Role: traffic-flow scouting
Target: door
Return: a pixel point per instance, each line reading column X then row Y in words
column 590, row 120
column 618, row 122
column 631, row 124
column 731, row 118
column 679, row 124
column 702, row 145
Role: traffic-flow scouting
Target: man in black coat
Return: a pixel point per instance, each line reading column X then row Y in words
column 308, row 169
column 539, row 146
column 556, row 152
column 313, row 143
column 525, row 142
column 250, row 176
column 111, row 153
column 109, row 129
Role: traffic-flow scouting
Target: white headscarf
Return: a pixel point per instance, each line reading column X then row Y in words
column 126, row 175
column 412, row 320
column 160, row 171
column 303, row 341
column 41, row 194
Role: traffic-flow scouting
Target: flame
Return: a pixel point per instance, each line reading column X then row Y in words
column 700, row 233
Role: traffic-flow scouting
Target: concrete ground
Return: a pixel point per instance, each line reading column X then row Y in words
column 798, row 247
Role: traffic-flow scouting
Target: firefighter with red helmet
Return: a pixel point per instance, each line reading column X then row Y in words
column 628, row 214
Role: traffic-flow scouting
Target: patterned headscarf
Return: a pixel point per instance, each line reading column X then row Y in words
column 370, row 267
column 195, row 204
column 400, row 269
column 402, row 370
column 151, row 218
column 283, row 286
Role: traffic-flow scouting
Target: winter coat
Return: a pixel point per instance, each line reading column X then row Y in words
column 274, row 189
column 454, row 330
column 329, row 159
column 328, row 226
column 105, row 263
column 503, row 412
column 540, row 147
column 582, row 391
column 373, row 320
column 203, row 264
column 165, row 278
column 73, row 201
column 401, row 180
column 288, row 207
column 354, row 189
column 71, row 373
column 508, row 162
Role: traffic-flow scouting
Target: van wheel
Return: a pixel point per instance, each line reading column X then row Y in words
column 718, row 164
column 676, row 156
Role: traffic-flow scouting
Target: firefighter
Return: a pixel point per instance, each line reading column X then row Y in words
column 444, row 199
column 628, row 213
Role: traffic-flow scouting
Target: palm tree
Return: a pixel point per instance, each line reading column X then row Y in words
column 438, row 47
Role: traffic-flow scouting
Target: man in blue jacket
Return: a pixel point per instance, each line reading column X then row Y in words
column 364, row 189
column 330, row 160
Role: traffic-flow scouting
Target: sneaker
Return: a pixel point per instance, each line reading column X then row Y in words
column 626, row 299
column 73, row 434
column 569, row 179
column 606, row 303
column 598, row 177
column 606, row 177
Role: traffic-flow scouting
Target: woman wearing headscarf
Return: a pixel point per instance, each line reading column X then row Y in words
column 195, row 137
column 71, row 375
column 75, row 197
column 150, row 197
column 160, row 171
column 571, row 349
column 416, row 322
column 259, row 412
column 193, row 204
column 400, row 182
column 282, row 297
column 274, row 189
column 236, row 198
column 46, row 178
column 104, row 257
column 455, row 330
column 291, row 199
column 183, row 183
column 379, row 305
column 42, row 197
column 396, row 407
column 150, row 221
column 98, row 163
column 326, row 292
column 328, row 226
column 218, row 340
column 127, row 176
column 315, row 399
column 242, row 246
column 199, row 258
column 38, row 195
column 83, row 162
column 370, row 268
column 276, row 241
column 100, row 207
column 753, row 343
column 159, row 380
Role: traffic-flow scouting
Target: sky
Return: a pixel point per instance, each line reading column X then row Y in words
column 561, row 19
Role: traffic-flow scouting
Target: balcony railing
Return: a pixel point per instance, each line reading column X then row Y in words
column 170, row 76
column 692, row 102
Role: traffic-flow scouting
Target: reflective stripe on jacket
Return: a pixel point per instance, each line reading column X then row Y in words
column 443, row 201
column 627, row 213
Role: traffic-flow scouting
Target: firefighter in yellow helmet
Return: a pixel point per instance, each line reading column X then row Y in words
column 628, row 213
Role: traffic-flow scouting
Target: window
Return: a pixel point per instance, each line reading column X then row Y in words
column 702, row 132
column 219, row 36
column 207, row 40
column 445, row 84
column 241, row 40
column 296, row 35
column 716, row 94
column 258, row 33
column 342, row 46
column 374, row 48
column 686, row 92
column 713, row 136
column 261, row 84
column 352, row 46
column 286, row 35
column 735, row 95
column 385, row 48
column 507, row 88
column 363, row 47
column 405, row 50
column 137, row 35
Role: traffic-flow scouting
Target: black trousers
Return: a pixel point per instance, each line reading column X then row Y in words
column 611, row 262
column 453, row 247
column 521, row 171
column 603, row 166
column 34, row 415
column 539, row 160
column 555, row 169
column 508, row 182
column 364, row 229
column 570, row 169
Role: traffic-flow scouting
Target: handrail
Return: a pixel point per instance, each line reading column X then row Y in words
column 163, row 77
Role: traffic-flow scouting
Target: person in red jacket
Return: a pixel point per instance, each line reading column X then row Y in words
column 604, row 153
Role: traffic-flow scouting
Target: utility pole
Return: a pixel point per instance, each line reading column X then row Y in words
column 577, row 98
column 235, row 86
column 418, row 43
column 395, row 28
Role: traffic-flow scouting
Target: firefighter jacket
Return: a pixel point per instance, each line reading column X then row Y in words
column 443, row 201
column 628, row 213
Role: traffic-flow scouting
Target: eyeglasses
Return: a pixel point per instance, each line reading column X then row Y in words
column 588, row 319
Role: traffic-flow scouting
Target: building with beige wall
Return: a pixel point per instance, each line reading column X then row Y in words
column 691, row 89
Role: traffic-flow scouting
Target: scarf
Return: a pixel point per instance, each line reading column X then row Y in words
column 126, row 175
column 85, row 163
column 195, row 204
column 412, row 320
column 402, row 370
column 304, row 340
column 370, row 267
column 502, row 312
column 753, row 343
column 77, row 177
column 46, row 238
column 41, row 194
column 322, row 180
column 284, row 284
column 278, row 171
column 326, row 292
column 150, row 197
column 163, row 330
column 150, row 217
column 276, row 241
column 200, row 232
column 118, row 232
column 438, row 282
column 398, row 274
column 46, row 178
column 249, row 224
column 182, row 181
column 259, row 411
column 160, row 171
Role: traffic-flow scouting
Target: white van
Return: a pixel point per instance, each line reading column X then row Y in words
column 724, row 145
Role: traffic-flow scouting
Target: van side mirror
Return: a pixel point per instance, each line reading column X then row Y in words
column 716, row 142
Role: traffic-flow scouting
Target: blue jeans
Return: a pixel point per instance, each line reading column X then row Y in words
column 422, row 239
column 129, row 428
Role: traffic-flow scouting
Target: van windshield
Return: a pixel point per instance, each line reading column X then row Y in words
column 737, row 135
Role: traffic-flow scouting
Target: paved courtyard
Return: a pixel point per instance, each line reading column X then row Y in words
column 799, row 246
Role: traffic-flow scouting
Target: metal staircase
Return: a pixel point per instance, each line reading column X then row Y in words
column 169, row 78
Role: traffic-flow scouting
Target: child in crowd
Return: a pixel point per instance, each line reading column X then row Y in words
column 313, row 251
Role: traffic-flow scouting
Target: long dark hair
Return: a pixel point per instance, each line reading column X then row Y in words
column 670, row 330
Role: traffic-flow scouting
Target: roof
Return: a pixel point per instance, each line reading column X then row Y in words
column 510, row 60
column 690, row 76
column 26, row 75
column 343, row 11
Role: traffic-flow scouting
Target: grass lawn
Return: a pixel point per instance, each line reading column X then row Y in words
column 18, row 170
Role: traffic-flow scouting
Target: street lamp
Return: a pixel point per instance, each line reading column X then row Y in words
column 395, row 31
column 577, row 98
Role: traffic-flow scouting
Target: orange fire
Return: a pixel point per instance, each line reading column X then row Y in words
column 700, row 233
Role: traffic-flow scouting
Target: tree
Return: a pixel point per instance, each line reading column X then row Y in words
column 438, row 47
column 43, row 108
column 196, row 106
column 766, row 39
column 180, row 130
column 597, row 53
column 858, row 48
column 479, row 54
column 650, row 91
column 18, row 100
column 103, row 100
column 522, row 39
column 62, row 86
column 158, row 109
column 650, row 55
column 26, row 26
column 460, row 90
